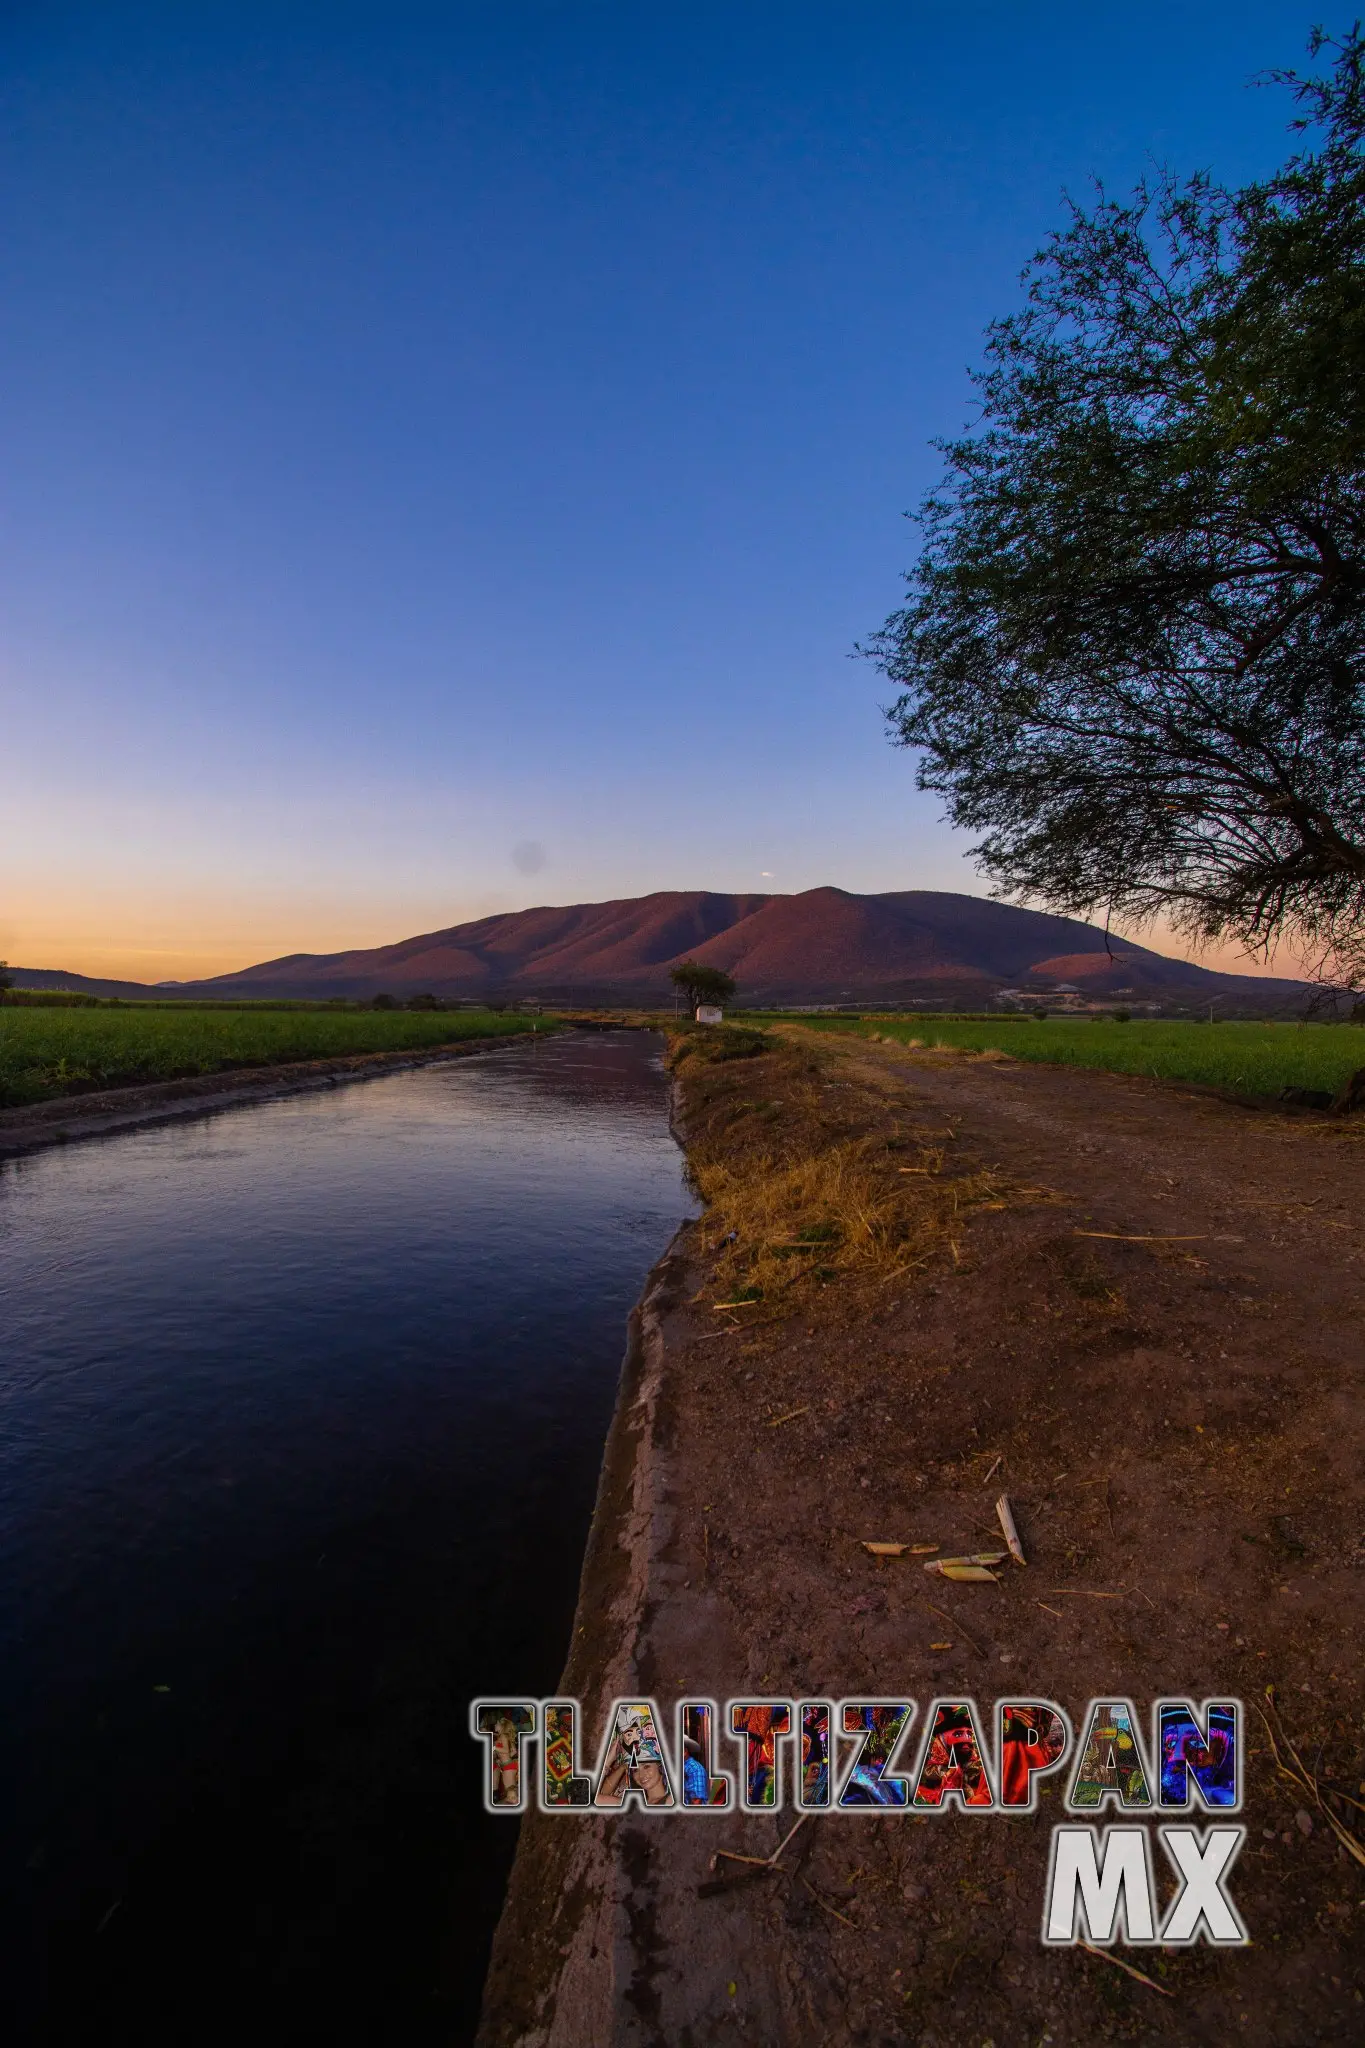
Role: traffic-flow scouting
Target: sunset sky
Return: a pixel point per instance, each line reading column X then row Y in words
column 451, row 450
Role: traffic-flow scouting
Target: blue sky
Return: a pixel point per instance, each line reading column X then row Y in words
column 450, row 451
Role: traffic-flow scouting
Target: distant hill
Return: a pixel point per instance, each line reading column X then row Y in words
column 84, row 985
column 823, row 946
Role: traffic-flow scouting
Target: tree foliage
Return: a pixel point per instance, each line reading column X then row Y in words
column 1133, row 650
column 702, row 984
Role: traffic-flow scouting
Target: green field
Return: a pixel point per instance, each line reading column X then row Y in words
column 51, row 1052
column 1252, row 1059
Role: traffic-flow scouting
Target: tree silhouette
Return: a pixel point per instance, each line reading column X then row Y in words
column 702, row 984
column 1133, row 651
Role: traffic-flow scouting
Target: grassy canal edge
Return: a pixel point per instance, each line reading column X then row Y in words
column 51, row 1051
column 74, row 1073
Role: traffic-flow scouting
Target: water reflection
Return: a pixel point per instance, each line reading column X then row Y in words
column 303, row 1409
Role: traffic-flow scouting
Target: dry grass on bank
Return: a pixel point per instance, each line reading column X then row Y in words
column 802, row 1178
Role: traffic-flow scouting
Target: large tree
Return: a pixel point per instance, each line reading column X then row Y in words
column 1133, row 651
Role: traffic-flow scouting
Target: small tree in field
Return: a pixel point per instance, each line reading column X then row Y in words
column 6, row 979
column 702, row 984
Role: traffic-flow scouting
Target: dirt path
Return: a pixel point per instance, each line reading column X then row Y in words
column 1175, row 1406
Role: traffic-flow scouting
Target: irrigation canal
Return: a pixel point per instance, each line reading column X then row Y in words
column 303, row 1405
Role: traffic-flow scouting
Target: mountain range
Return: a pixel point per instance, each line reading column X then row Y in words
column 822, row 946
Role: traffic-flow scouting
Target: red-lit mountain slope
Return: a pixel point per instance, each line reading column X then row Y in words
column 825, row 945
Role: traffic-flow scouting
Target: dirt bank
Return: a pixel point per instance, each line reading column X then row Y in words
column 108, row 1110
column 1138, row 1309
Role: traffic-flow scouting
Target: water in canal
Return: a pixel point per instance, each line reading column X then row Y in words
column 303, row 1406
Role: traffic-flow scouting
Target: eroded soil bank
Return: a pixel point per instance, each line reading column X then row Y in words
column 1138, row 1310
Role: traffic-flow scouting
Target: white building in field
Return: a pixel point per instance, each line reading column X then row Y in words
column 710, row 1013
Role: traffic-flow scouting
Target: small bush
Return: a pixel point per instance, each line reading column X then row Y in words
column 715, row 1043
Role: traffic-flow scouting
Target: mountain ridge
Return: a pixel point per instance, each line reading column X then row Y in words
column 821, row 945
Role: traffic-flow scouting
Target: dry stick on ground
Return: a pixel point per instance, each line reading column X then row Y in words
column 944, row 1615
column 1006, row 1517
column 1127, row 1968
column 1123, row 1237
column 790, row 1836
column 1298, row 1773
column 826, row 1907
column 763, row 1862
column 755, row 1866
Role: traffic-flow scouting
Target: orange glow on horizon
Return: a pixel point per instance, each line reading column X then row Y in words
column 169, row 942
